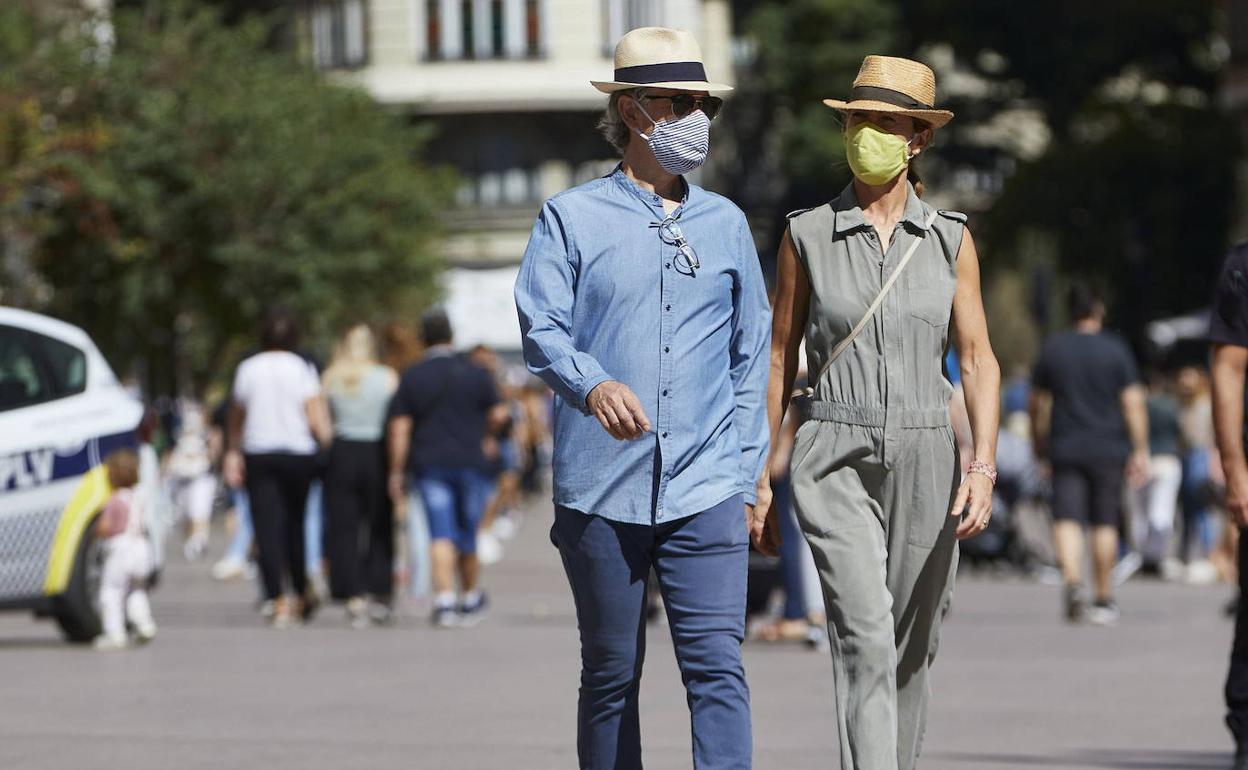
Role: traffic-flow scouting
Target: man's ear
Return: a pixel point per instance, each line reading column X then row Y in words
column 632, row 116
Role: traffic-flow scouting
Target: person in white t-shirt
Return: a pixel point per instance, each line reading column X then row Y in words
column 277, row 420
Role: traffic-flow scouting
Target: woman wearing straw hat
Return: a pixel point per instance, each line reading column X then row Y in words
column 876, row 280
column 642, row 305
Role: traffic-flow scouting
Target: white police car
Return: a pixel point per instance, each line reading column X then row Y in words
column 62, row 410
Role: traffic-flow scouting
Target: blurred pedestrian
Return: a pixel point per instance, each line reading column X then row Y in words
column 642, row 305
column 1154, row 504
column 441, row 413
column 1229, row 335
column 192, row 485
column 127, row 557
column 1095, row 436
column 401, row 348
column 359, row 519
column 876, row 280
column 1199, row 535
column 278, row 417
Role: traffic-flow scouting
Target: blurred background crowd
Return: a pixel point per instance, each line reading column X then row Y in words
column 170, row 169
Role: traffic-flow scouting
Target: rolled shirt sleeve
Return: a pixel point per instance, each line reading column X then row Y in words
column 545, row 296
column 751, row 339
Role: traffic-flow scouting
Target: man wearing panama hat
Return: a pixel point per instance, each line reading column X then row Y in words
column 642, row 305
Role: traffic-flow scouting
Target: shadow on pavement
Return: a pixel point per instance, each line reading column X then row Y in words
column 1108, row 760
column 37, row 643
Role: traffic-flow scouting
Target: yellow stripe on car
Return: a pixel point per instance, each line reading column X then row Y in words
column 88, row 499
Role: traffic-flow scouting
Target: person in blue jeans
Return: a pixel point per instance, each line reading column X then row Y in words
column 441, row 412
column 642, row 305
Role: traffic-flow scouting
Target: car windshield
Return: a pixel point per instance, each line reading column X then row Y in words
column 35, row 368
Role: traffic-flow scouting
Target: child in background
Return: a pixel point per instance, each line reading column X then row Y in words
column 191, row 483
column 127, row 557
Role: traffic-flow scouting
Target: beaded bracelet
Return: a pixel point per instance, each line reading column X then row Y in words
column 985, row 469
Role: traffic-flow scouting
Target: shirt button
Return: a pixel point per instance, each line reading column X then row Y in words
column 664, row 434
column 667, row 350
column 668, row 266
column 668, row 307
column 665, row 392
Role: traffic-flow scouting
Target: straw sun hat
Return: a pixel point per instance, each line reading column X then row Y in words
column 657, row 57
column 890, row 84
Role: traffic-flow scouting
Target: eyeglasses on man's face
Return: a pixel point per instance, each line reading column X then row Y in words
column 683, row 104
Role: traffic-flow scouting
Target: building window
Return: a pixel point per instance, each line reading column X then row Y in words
column 483, row 29
column 339, row 34
column 619, row 16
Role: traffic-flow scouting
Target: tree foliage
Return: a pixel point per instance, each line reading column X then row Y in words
column 175, row 177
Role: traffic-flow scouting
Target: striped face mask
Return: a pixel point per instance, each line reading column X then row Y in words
column 681, row 145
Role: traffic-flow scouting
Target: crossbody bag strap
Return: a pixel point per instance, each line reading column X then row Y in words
column 844, row 344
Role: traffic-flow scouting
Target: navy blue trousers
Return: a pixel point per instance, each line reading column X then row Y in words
column 700, row 562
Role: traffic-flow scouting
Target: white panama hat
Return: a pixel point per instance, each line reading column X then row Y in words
column 657, row 57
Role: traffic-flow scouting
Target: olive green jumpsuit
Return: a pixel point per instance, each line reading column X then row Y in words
column 876, row 469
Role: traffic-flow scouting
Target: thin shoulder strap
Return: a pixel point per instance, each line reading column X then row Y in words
column 844, row 344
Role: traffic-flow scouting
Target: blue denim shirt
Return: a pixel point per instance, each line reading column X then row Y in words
column 599, row 299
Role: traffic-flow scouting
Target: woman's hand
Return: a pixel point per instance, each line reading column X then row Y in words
column 763, row 523
column 975, row 500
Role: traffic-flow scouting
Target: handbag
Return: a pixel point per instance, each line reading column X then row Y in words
column 844, row 344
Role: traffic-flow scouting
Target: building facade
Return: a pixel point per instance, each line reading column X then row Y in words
column 504, row 84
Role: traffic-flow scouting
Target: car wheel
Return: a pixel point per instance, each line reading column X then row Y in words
column 77, row 610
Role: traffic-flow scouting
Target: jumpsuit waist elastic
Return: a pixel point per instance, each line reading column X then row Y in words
column 878, row 416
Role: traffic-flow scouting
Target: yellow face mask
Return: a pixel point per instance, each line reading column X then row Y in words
column 875, row 156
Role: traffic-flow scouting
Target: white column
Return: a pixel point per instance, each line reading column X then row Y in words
column 515, row 29
column 617, row 23
column 482, row 29
column 452, row 29
column 354, row 35
column 418, row 29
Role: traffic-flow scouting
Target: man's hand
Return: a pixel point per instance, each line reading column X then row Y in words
column 764, row 523
column 1237, row 496
column 1138, row 468
column 233, row 469
column 618, row 410
column 396, row 488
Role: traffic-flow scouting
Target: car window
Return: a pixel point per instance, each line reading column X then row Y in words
column 35, row 368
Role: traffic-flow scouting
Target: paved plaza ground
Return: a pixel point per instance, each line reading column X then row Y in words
column 1015, row 688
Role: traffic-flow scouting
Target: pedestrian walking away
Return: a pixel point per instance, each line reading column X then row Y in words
column 443, row 409
column 1090, row 421
column 277, row 420
column 359, row 517
column 642, row 305
column 1229, row 334
column 876, row 280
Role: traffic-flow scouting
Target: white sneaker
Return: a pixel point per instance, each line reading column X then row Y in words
column 229, row 569
column 1202, row 573
column 195, row 547
column 489, row 550
column 1172, row 569
column 145, row 633
column 107, row 643
column 357, row 612
column 1126, row 567
column 506, row 526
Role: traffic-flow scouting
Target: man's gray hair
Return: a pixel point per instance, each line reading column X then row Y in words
column 611, row 125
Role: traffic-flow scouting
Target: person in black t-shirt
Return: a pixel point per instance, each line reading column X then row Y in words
column 1096, row 432
column 1228, row 332
column 439, row 418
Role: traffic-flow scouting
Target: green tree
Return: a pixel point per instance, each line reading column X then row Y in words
column 203, row 177
column 1134, row 190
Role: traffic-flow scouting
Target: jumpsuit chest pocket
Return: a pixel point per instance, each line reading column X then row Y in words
column 929, row 286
